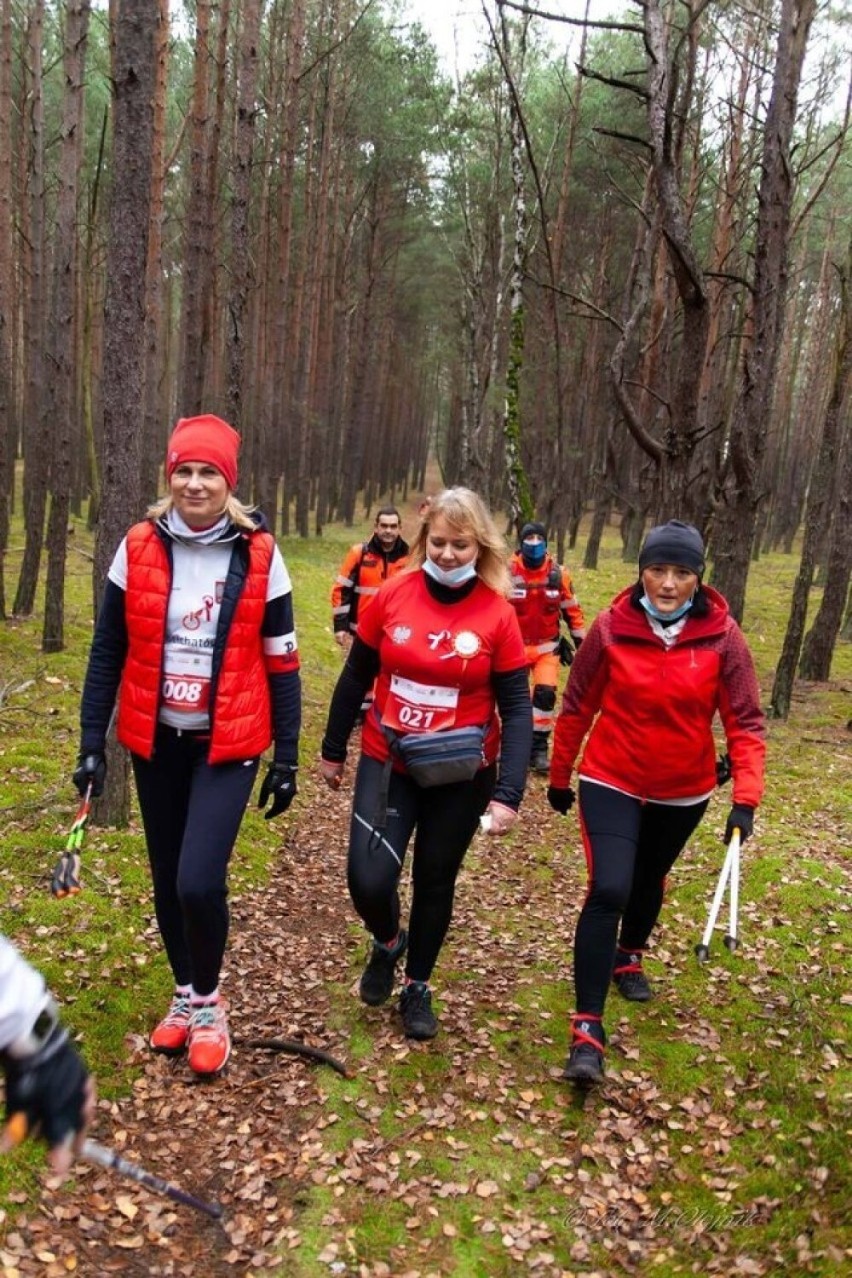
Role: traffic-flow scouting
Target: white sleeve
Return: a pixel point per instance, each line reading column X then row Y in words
column 279, row 577
column 118, row 568
column 22, row 994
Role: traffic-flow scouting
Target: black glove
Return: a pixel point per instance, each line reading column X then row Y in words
column 90, row 767
column 279, row 784
column 560, row 800
column 741, row 818
column 723, row 769
column 47, row 1086
column 565, row 651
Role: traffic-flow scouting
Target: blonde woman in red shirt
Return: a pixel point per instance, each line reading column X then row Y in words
column 443, row 644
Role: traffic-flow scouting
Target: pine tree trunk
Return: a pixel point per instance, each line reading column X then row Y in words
column 59, row 393
column 737, row 515
column 36, row 442
column 124, row 314
column 820, row 641
column 818, row 506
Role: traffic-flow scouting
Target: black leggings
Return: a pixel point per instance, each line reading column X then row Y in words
column 630, row 847
column 446, row 818
column 191, row 812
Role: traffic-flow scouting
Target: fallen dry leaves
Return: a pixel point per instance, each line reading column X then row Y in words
column 260, row 1138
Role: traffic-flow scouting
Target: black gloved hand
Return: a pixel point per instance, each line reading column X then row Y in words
column 47, row 1086
column 741, row 817
column 90, row 767
column 564, row 651
column 279, row 784
column 560, row 800
column 723, row 769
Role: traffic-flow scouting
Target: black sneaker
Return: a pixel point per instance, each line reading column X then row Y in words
column 629, row 979
column 538, row 755
column 377, row 978
column 585, row 1064
column 415, row 1005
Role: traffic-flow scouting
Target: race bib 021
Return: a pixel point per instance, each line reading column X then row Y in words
column 419, row 707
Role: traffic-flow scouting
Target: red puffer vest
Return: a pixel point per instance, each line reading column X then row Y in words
column 240, row 715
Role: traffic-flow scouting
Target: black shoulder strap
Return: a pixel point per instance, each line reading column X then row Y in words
column 554, row 577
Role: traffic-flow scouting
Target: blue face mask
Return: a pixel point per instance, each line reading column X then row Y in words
column 533, row 554
column 452, row 577
column 665, row 616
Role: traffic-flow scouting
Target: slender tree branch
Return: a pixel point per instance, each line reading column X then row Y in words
column 614, row 82
column 572, row 22
column 623, row 137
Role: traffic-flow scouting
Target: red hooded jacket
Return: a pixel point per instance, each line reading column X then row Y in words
column 651, row 707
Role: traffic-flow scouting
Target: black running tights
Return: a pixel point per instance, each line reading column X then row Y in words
column 630, row 847
column 445, row 819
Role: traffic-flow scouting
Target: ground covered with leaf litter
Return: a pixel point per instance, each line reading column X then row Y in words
column 469, row 1155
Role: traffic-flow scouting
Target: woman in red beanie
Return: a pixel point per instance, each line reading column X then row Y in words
column 654, row 670
column 196, row 638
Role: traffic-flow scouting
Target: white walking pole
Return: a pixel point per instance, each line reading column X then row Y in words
column 730, row 870
column 730, row 938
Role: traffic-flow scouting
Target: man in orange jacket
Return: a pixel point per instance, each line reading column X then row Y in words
column 366, row 566
column 543, row 597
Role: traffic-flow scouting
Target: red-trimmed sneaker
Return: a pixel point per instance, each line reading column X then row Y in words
column 585, row 1064
column 171, row 1034
column 628, row 977
column 209, row 1040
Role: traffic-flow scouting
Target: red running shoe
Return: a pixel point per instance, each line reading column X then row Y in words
column 209, row 1040
column 171, row 1034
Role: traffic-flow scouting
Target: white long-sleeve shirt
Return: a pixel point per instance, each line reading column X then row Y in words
column 23, row 994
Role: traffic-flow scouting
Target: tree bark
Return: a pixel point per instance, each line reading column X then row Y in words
column 124, row 313
column 740, row 495
column 59, row 395
column 36, row 442
column 820, row 641
column 818, row 504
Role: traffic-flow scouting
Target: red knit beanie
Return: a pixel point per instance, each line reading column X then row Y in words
column 204, row 439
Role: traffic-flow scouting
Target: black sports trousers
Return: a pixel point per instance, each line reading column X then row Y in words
column 630, row 847
column 191, row 811
column 443, row 820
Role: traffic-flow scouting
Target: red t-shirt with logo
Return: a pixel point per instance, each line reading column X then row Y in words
column 437, row 660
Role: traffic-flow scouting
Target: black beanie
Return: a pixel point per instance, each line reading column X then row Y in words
column 673, row 543
column 533, row 530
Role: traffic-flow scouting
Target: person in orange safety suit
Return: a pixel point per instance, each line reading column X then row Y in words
column 543, row 598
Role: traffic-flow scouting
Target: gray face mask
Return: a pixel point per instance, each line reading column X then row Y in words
column 452, row 577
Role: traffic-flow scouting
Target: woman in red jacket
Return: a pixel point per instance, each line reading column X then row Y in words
column 195, row 635
column 656, row 667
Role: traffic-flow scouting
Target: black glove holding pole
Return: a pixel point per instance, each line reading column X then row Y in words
column 46, row 1092
column 741, row 818
column 279, row 785
column 92, row 768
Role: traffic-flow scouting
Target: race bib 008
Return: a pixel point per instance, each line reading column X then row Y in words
column 184, row 690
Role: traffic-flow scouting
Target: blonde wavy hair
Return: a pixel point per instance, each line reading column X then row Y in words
column 466, row 513
column 239, row 514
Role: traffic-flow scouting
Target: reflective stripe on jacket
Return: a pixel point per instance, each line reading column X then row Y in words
column 365, row 568
column 542, row 597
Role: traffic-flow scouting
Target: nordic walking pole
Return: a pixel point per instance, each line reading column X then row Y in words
column 101, row 1156
column 66, row 876
column 732, row 855
column 91, row 1152
column 730, row 937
